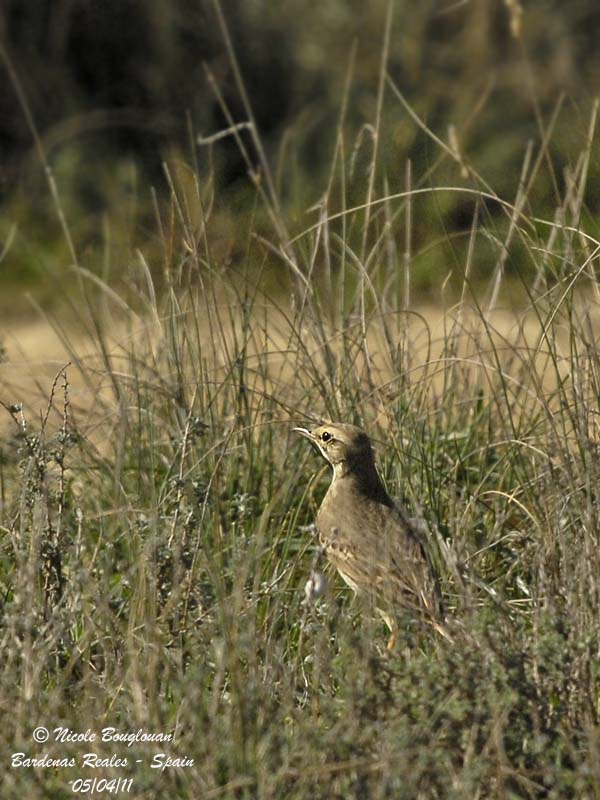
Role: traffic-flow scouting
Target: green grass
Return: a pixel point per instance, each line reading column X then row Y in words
column 154, row 539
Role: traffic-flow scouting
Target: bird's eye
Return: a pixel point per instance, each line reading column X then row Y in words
column 326, row 436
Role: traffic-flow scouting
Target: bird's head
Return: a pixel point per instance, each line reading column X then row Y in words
column 346, row 447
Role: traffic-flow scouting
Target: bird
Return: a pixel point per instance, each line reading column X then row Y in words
column 373, row 544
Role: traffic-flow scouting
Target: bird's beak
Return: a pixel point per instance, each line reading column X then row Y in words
column 304, row 432
column 312, row 439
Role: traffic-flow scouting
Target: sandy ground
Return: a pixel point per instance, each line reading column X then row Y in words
column 34, row 354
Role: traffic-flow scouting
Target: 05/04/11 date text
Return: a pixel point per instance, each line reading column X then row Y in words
column 101, row 785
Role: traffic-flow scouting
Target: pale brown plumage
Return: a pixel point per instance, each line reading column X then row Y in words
column 368, row 539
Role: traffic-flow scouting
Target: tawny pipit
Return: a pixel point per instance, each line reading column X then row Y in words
column 369, row 540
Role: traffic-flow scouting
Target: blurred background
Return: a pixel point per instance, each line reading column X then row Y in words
column 118, row 89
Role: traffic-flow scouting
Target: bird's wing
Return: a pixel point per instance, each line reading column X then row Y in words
column 389, row 562
column 410, row 579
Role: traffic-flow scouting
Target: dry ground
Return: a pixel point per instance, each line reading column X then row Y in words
column 36, row 350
